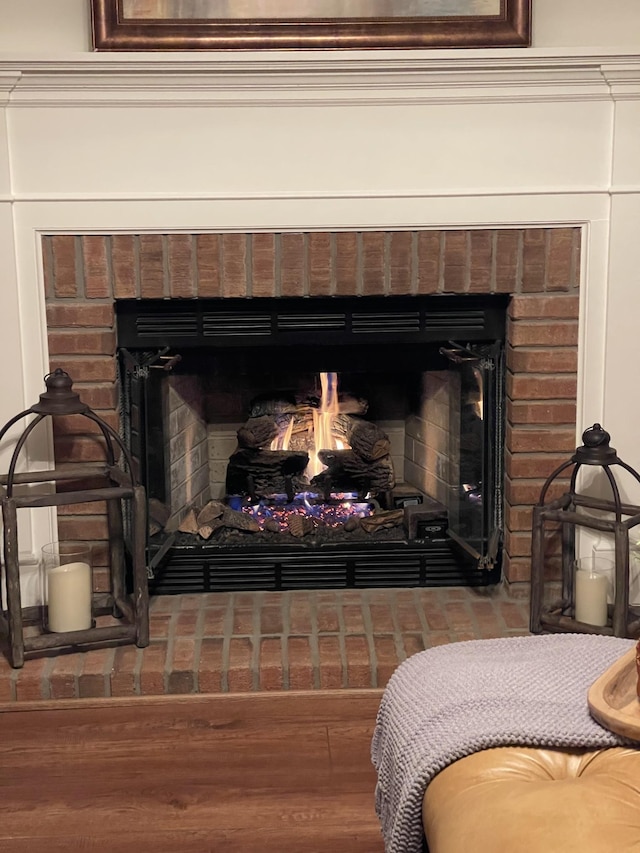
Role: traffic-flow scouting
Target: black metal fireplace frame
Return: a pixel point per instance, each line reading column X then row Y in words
column 151, row 334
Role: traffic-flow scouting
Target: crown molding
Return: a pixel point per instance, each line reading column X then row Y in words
column 308, row 80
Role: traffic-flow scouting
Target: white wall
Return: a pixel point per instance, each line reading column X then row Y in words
column 379, row 140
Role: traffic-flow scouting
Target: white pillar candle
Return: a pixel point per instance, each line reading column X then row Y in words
column 69, row 597
column 591, row 597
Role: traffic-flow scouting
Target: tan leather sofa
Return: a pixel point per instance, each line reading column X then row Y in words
column 528, row 800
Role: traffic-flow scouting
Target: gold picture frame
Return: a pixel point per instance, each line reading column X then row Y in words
column 142, row 25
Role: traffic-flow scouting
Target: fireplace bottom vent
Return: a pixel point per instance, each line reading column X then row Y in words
column 205, row 569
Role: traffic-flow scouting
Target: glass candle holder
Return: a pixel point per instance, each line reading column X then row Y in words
column 593, row 579
column 67, row 586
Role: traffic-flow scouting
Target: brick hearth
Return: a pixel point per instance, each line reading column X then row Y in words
column 539, row 267
column 239, row 642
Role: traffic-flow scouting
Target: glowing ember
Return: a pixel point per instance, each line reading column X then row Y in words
column 329, row 514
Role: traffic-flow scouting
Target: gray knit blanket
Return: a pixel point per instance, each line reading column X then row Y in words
column 453, row 700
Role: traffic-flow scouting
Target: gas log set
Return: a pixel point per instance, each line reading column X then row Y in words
column 305, row 466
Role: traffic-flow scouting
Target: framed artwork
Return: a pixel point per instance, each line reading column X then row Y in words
column 308, row 24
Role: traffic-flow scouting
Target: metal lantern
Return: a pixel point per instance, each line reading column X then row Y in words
column 571, row 511
column 27, row 631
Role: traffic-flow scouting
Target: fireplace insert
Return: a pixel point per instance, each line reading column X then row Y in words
column 317, row 442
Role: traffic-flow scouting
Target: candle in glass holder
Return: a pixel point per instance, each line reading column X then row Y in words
column 68, row 586
column 592, row 579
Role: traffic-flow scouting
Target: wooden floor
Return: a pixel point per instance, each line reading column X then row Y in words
column 270, row 773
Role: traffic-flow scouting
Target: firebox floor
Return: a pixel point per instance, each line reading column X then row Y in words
column 253, row 641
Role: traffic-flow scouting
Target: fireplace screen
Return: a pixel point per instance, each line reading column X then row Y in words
column 308, row 443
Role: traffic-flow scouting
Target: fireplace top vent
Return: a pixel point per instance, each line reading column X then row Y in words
column 308, row 320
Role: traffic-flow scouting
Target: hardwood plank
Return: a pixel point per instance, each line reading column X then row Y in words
column 286, row 772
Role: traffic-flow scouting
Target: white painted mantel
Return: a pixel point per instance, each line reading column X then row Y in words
column 95, row 143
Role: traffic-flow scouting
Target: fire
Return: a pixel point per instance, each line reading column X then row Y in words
column 321, row 428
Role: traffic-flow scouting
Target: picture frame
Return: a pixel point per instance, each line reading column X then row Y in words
column 172, row 25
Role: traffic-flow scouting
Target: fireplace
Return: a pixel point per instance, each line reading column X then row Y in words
column 534, row 270
column 317, row 442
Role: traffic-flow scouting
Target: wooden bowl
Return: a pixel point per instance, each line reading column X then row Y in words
column 613, row 697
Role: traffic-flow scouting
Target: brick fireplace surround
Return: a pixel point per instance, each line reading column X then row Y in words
column 84, row 275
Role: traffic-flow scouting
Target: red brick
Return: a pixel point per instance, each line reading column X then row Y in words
column 532, row 465
column 65, row 281
column 93, row 680
column 271, row 619
column 386, row 658
column 382, row 618
column 534, row 258
column 458, row 616
column 98, row 368
column 346, row 269
column 432, row 609
column 243, row 619
column 124, row 675
column 514, row 615
column 263, row 265
column 480, row 261
column 327, row 618
column 554, row 439
column 79, row 314
column 234, row 265
column 544, row 333
column 211, row 665
column 182, row 284
column 320, row 269
column 301, row 670
column 400, row 254
column 353, row 619
column 152, row 283
column 83, row 528
column 331, row 668
column 82, row 343
column 486, row 618
column 556, row 307
column 373, row 262
column 214, row 620
column 429, row 261
column 506, row 263
column 124, row 266
column 407, row 615
column 182, row 666
column 560, row 274
column 63, row 677
column 300, row 620
column 412, row 643
column 358, row 661
column 208, row 265
column 519, row 517
column 152, row 670
column 518, row 544
column 292, row 265
column 32, row 681
column 551, row 360
column 240, row 674
column 539, row 414
column 542, row 387
column 455, row 262
column 96, row 270
column 271, row 675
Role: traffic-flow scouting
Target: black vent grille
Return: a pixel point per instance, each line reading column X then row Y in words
column 203, row 569
column 455, row 319
column 316, row 321
column 236, row 324
column 151, row 325
column 404, row 322
column 311, row 322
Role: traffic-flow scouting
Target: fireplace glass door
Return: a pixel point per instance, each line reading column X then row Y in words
column 310, row 443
